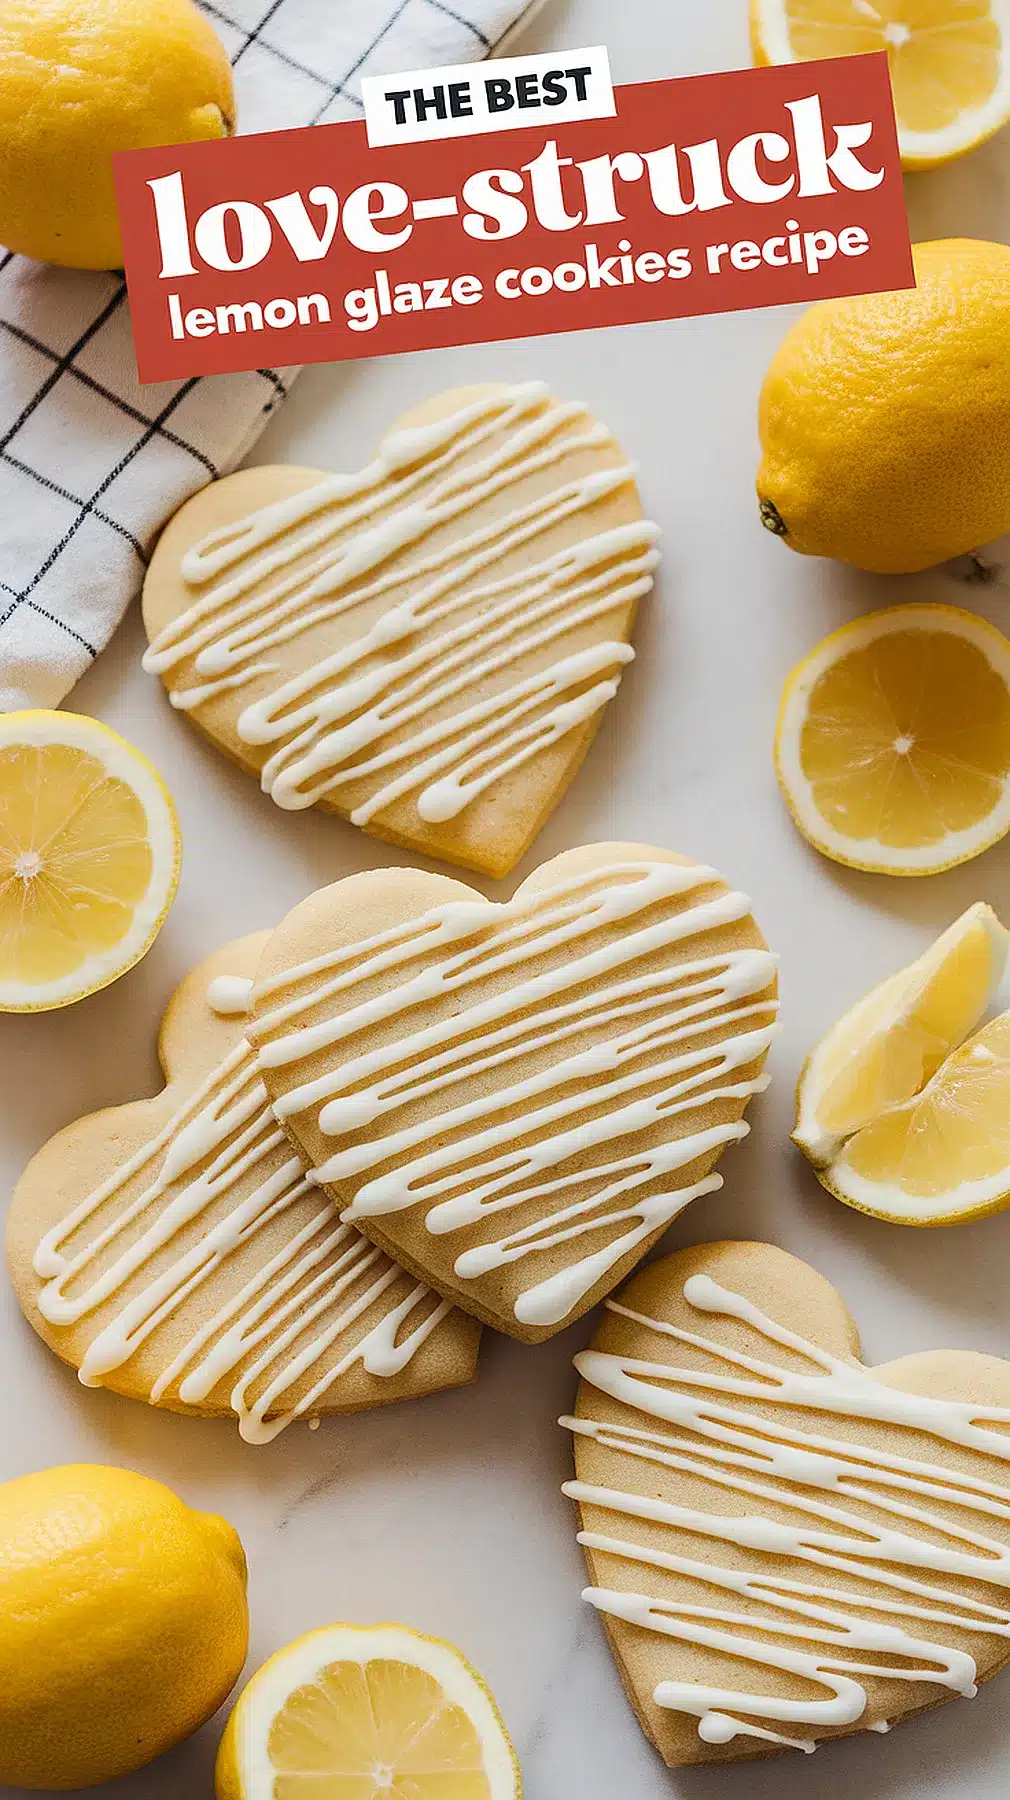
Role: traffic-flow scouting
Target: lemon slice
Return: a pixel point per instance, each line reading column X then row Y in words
column 944, row 1156
column 890, row 1044
column 892, row 746
column 366, row 1712
column 949, row 61
column 89, row 858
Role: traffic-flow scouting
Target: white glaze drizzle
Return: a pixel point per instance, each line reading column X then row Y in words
column 404, row 707
column 741, row 1452
column 224, row 1139
column 229, row 995
column 644, row 1066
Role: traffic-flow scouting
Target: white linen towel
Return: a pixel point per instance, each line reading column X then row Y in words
column 91, row 463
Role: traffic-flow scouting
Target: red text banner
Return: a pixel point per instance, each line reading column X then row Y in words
column 708, row 194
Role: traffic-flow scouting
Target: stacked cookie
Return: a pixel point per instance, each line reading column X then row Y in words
column 177, row 1250
column 409, row 1112
column 406, row 1111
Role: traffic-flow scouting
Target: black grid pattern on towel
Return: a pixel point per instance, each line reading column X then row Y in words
column 76, row 428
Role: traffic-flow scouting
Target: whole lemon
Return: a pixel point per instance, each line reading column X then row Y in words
column 885, row 419
column 123, row 1623
column 80, row 79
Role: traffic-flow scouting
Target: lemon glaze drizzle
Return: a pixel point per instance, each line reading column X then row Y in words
column 348, row 730
column 740, row 1451
column 225, row 1130
column 462, row 1181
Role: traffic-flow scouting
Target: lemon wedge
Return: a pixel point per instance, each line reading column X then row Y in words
column 89, row 858
column 375, row 1712
column 904, row 1107
column 943, row 1156
column 892, row 746
column 890, row 1044
column 949, row 61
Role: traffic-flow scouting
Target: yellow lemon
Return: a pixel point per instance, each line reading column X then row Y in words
column 123, row 1624
column 885, row 1049
column 367, row 1712
column 89, row 858
column 885, row 418
column 80, row 79
column 904, row 1107
column 944, row 1156
column 949, row 61
column 892, row 746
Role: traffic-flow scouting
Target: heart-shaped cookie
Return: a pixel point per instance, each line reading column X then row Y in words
column 426, row 646
column 174, row 1249
column 785, row 1545
column 515, row 1100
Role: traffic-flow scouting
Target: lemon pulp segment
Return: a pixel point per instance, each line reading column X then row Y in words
column 893, row 743
column 946, row 58
column 923, row 725
column 904, row 1106
column 893, row 1040
column 74, row 860
column 378, row 1712
column 945, row 1153
column 374, row 1729
column 89, row 857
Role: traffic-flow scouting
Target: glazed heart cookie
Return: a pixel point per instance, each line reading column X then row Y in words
column 426, row 646
column 515, row 1100
column 175, row 1250
column 785, row 1546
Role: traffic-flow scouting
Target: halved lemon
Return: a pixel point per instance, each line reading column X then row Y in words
column 89, row 858
column 886, row 1047
column 902, row 1111
column 949, row 61
column 366, row 1712
column 892, row 746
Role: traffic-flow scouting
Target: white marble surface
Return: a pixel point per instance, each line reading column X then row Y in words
column 446, row 1513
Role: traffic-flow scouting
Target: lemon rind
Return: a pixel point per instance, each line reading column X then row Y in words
column 885, row 1201
column 43, row 727
column 868, row 853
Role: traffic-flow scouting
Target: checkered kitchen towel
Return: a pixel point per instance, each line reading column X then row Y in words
column 91, row 463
